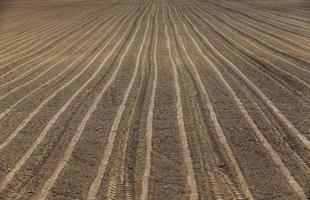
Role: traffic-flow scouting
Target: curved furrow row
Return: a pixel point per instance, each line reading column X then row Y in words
column 21, row 126
column 267, row 101
column 289, row 15
column 259, row 134
column 50, row 181
column 53, row 142
column 264, row 141
column 219, row 132
column 221, row 182
column 23, row 41
column 285, row 21
column 272, row 106
column 95, row 186
column 154, row 99
column 126, row 189
column 299, row 30
column 268, row 30
column 39, row 139
column 190, row 176
column 19, row 26
column 40, row 65
column 60, row 32
column 215, row 184
column 70, row 65
column 298, row 62
column 292, row 33
column 34, row 40
column 27, row 31
column 150, row 115
column 60, row 54
column 289, row 141
column 77, row 42
column 261, row 61
column 41, row 52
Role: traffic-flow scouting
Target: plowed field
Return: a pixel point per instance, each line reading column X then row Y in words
column 155, row 99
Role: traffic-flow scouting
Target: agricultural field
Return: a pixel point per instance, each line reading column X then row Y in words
column 154, row 99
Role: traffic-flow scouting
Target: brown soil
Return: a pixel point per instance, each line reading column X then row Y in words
column 154, row 99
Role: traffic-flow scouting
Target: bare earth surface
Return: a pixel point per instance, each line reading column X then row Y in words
column 155, row 99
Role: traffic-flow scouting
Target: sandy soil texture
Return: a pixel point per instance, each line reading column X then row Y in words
column 155, row 99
